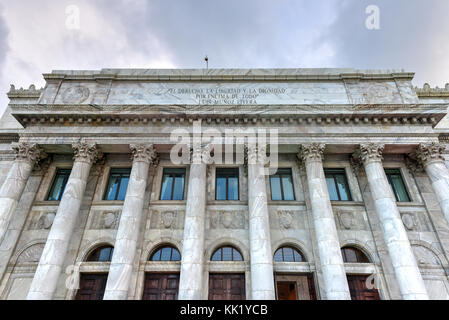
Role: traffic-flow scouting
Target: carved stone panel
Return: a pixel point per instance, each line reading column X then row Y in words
column 223, row 219
column 425, row 257
column 105, row 219
column 350, row 220
column 31, row 254
column 167, row 219
column 287, row 219
column 40, row 220
column 415, row 221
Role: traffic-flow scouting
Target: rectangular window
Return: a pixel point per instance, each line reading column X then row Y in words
column 397, row 185
column 173, row 184
column 337, row 185
column 117, row 184
column 227, row 184
column 282, row 185
column 59, row 183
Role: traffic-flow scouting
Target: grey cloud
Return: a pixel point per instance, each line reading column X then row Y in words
column 413, row 35
column 253, row 33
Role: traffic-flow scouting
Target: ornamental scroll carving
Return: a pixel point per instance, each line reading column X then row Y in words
column 427, row 153
column 146, row 153
column 87, row 152
column 369, row 152
column 311, row 152
column 30, row 152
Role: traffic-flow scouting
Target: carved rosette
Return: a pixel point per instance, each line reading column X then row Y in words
column 427, row 153
column 368, row 152
column 311, row 152
column 145, row 153
column 29, row 152
column 86, row 152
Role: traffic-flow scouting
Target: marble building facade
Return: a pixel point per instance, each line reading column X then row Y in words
column 370, row 128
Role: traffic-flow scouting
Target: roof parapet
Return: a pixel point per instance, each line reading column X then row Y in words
column 31, row 92
column 427, row 91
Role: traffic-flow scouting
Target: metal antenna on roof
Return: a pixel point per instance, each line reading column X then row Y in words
column 207, row 62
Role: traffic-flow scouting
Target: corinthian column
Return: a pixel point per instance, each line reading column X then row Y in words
column 192, row 264
column 406, row 270
column 27, row 155
column 430, row 156
column 335, row 283
column 262, row 277
column 125, row 248
column 55, row 250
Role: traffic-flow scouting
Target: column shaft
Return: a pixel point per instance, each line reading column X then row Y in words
column 431, row 158
column 395, row 236
column 51, row 262
column 125, row 248
column 335, row 283
column 14, row 184
column 192, row 264
column 262, row 274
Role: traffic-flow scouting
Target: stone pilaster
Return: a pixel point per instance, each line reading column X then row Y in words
column 192, row 264
column 27, row 155
column 402, row 258
column 335, row 283
column 52, row 259
column 262, row 277
column 125, row 248
column 430, row 157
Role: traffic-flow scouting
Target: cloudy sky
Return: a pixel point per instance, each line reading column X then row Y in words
column 37, row 36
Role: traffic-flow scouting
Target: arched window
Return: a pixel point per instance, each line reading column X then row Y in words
column 101, row 254
column 227, row 253
column 288, row 254
column 353, row 255
column 166, row 253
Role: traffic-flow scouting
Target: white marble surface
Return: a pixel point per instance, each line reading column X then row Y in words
column 192, row 264
column 120, row 272
column 11, row 191
column 407, row 273
column 439, row 177
column 335, row 285
column 262, row 281
column 50, row 265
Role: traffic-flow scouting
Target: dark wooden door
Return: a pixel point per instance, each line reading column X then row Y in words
column 295, row 287
column 359, row 290
column 227, row 287
column 161, row 286
column 92, row 286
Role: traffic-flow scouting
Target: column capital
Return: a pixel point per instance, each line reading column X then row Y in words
column 30, row 152
column 255, row 153
column 427, row 153
column 144, row 153
column 86, row 152
column 368, row 152
column 201, row 153
column 311, row 151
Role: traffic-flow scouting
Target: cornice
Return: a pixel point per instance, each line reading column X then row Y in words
column 226, row 75
column 132, row 120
